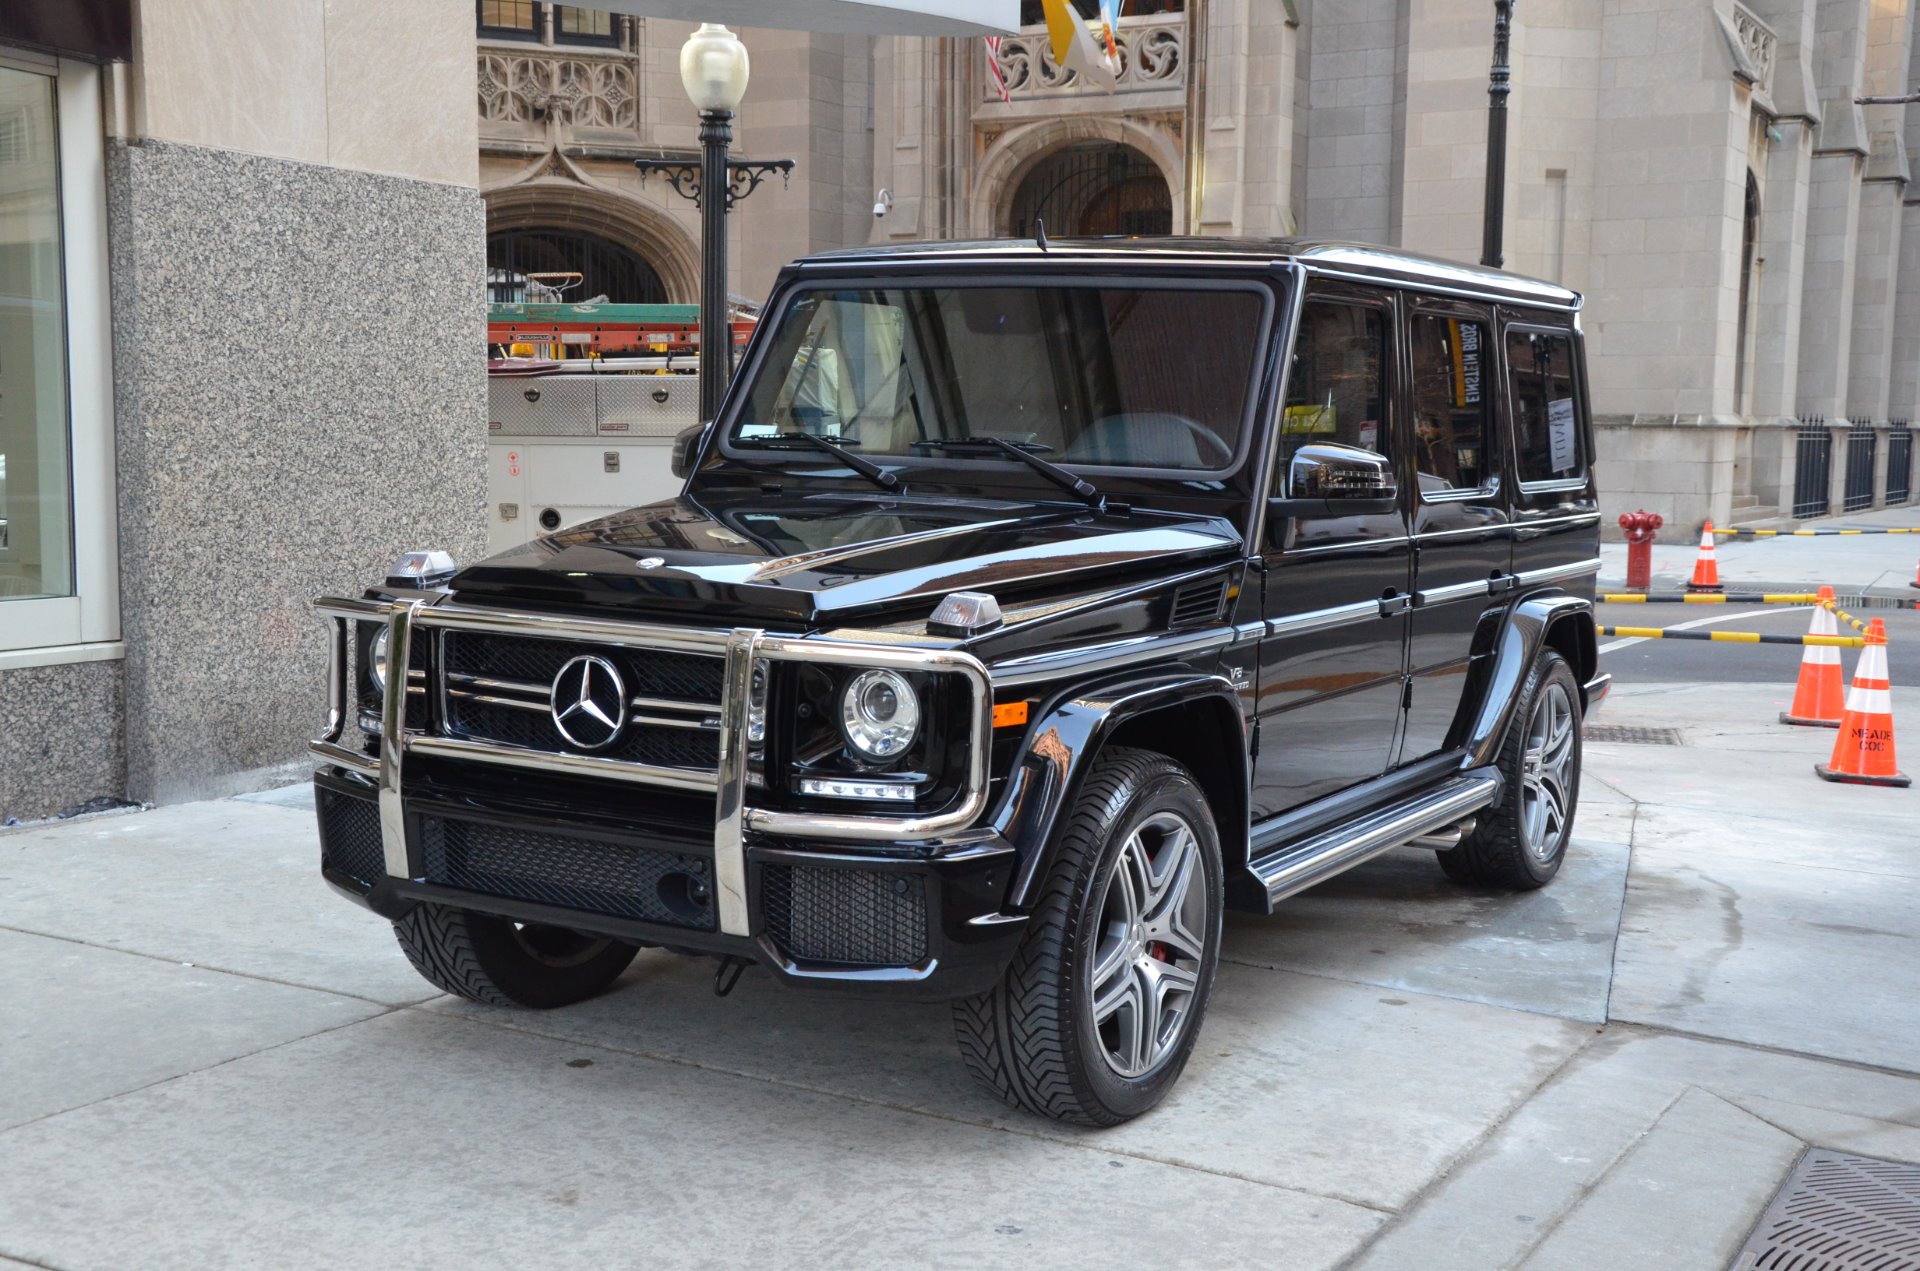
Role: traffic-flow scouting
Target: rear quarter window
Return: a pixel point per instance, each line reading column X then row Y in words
column 1548, row 442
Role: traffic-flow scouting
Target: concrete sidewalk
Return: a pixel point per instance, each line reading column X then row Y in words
column 211, row 1061
column 1874, row 565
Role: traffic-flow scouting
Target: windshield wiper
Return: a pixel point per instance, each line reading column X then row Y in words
column 1025, row 452
column 864, row 466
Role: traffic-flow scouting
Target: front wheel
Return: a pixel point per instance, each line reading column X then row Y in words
column 505, row 963
column 1521, row 841
column 1098, row 1012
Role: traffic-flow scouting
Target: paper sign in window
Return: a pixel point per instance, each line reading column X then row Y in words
column 1563, row 446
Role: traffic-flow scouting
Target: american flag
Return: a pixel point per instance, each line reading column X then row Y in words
column 993, row 64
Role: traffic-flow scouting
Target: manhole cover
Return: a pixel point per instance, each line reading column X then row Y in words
column 1838, row 1212
column 1627, row 734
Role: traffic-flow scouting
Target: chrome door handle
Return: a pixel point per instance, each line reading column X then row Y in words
column 1398, row 602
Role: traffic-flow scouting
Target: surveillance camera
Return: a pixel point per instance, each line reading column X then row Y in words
column 882, row 204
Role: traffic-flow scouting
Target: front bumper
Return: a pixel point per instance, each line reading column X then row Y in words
column 675, row 857
column 899, row 920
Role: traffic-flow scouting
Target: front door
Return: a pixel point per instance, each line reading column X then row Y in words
column 1334, row 589
column 1462, row 536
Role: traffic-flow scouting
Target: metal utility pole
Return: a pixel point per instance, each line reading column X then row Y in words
column 1499, row 86
column 714, row 67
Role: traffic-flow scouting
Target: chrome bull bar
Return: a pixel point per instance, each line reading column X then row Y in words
column 741, row 648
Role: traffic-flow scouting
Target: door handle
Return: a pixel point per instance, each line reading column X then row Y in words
column 1394, row 603
column 1501, row 584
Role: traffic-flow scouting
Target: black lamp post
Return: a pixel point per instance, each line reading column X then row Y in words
column 713, row 68
column 1498, row 88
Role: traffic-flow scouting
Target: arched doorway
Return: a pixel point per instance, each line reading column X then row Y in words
column 609, row 271
column 1093, row 189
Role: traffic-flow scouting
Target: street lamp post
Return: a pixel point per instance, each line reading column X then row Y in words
column 714, row 68
column 1498, row 89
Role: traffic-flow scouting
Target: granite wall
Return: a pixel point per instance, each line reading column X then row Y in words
column 300, row 395
column 61, row 737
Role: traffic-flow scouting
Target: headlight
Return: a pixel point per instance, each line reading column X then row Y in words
column 880, row 714
column 377, row 661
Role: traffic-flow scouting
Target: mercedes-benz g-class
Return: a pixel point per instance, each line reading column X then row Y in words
column 1027, row 606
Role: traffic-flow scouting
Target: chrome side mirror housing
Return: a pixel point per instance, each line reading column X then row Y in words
column 1329, row 479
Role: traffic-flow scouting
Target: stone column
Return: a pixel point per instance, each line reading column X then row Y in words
column 1357, row 105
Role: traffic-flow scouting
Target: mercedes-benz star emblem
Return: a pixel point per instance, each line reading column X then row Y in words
column 589, row 702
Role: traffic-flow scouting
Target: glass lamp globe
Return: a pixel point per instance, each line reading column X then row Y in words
column 713, row 66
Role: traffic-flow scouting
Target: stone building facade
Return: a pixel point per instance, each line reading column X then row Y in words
column 1742, row 229
column 240, row 253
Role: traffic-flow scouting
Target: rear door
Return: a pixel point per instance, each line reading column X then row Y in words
column 1556, row 513
column 1334, row 590
column 1462, row 531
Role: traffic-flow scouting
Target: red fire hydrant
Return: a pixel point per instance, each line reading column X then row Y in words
column 1640, row 527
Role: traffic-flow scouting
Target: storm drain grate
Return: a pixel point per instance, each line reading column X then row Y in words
column 1629, row 735
column 1839, row 1212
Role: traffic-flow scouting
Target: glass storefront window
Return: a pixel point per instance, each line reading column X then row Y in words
column 36, row 486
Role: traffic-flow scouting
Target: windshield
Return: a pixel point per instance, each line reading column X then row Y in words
column 1098, row 376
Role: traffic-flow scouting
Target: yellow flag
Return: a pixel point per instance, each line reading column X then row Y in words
column 1061, row 25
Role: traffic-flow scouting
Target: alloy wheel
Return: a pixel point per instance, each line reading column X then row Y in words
column 1146, row 961
column 1547, row 772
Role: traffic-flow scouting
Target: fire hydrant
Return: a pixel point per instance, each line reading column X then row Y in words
column 1640, row 528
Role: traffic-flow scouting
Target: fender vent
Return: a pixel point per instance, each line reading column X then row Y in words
column 1198, row 604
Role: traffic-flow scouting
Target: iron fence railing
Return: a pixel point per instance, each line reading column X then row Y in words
column 1813, row 469
column 1861, row 443
column 1899, row 463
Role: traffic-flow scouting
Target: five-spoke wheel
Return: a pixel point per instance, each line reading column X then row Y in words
column 1146, row 962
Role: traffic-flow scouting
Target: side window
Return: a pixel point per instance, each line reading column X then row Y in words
column 1452, row 402
column 1546, row 429
column 1336, row 389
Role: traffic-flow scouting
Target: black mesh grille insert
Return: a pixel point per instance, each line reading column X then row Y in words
column 690, row 677
column 860, row 916
column 350, row 835
column 620, row 879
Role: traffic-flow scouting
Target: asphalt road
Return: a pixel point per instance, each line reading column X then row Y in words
column 1702, row 662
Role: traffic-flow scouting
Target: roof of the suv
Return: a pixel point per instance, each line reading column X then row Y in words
column 1354, row 259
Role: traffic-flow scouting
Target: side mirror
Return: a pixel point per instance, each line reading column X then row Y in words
column 1329, row 479
column 686, row 448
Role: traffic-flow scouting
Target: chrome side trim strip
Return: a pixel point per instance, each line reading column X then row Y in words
column 1559, row 573
column 393, row 745
column 730, row 789
column 1321, row 619
column 1037, row 667
column 556, row 761
column 1453, row 591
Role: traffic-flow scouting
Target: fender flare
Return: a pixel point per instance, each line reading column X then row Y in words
column 1521, row 636
column 1062, row 743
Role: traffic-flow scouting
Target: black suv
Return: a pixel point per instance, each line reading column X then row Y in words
column 1026, row 607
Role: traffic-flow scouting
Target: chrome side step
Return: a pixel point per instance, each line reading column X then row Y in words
column 1299, row 866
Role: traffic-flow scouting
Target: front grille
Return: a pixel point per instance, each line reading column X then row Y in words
column 620, row 879
column 518, row 672
column 350, row 835
column 859, row 916
column 688, row 677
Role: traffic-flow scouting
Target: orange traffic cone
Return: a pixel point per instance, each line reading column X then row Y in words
column 1863, row 753
column 1706, row 570
column 1820, row 695
column 1916, row 577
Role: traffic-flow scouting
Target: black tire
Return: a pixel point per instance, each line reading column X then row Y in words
column 503, row 963
column 1500, row 852
column 1033, row 1040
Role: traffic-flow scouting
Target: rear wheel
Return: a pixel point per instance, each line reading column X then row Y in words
column 1098, row 1013
column 1521, row 841
column 505, row 963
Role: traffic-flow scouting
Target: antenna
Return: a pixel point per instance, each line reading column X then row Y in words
column 1040, row 232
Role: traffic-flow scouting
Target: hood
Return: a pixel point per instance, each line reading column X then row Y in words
column 824, row 559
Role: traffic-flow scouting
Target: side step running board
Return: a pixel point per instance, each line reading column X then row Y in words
column 1300, row 865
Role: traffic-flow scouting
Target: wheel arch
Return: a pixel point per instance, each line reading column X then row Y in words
column 1197, row 720
column 1557, row 621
